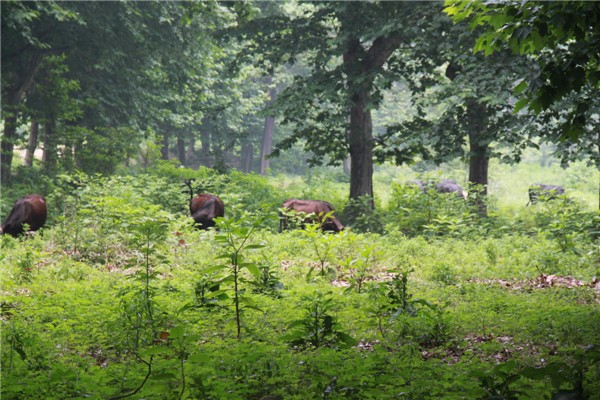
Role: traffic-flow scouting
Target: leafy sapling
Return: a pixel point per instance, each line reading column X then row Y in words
column 322, row 243
column 360, row 269
column 317, row 328
column 234, row 238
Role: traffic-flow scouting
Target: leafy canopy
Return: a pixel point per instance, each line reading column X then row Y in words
column 563, row 38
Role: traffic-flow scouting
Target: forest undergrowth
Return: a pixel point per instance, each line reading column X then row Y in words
column 121, row 297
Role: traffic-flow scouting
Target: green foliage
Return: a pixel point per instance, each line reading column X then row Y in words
column 268, row 282
column 565, row 221
column 235, row 241
column 317, row 328
column 121, row 296
column 207, row 291
column 360, row 269
column 581, row 367
column 362, row 218
column 565, row 45
column 430, row 213
column 497, row 383
column 322, row 244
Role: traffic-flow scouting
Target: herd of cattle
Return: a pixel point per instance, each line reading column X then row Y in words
column 30, row 211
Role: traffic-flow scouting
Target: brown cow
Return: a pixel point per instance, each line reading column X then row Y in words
column 317, row 208
column 205, row 208
column 30, row 210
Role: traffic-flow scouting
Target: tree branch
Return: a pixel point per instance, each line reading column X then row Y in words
column 149, row 364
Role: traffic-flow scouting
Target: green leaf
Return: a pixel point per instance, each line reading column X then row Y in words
column 155, row 350
column 520, row 104
column 177, row 332
column 200, row 358
column 254, row 270
column 209, row 270
column 165, row 376
column 519, row 86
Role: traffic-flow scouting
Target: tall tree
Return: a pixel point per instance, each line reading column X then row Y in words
column 349, row 47
column 466, row 105
column 135, row 63
column 564, row 40
column 25, row 45
column 267, row 140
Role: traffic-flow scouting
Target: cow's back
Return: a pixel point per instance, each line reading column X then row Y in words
column 30, row 210
column 205, row 208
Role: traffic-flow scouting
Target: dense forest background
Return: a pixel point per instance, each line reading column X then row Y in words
column 103, row 86
column 108, row 108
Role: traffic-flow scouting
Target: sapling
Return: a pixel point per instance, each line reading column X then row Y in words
column 360, row 269
column 148, row 232
column 322, row 243
column 139, row 311
column 317, row 327
column 234, row 238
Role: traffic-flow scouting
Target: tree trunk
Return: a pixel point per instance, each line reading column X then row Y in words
column 479, row 158
column 15, row 94
column 164, row 149
column 361, row 149
column 361, row 65
column 31, row 143
column 205, row 148
column 267, row 144
column 8, row 143
column 68, row 159
column 247, row 157
column 49, row 156
column 267, row 141
column 190, row 155
column 181, row 150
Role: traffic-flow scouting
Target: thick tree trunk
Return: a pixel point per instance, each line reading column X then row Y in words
column 267, row 141
column 362, row 64
column 360, row 141
column 68, row 158
column 31, row 143
column 360, row 133
column 181, row 150
column 479, row 158
column 49, row 155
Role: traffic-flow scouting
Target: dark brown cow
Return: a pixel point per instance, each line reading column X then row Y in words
column 205, row 208
column 317, row 208
column 30, row 210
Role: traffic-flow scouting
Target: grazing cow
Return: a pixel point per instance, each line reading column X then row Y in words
column 539, row 191
column 30, row 210
column 449, row 186
column 317, row 208
column 205, row 208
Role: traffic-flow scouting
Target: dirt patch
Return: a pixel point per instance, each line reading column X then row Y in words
column 541, row 282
